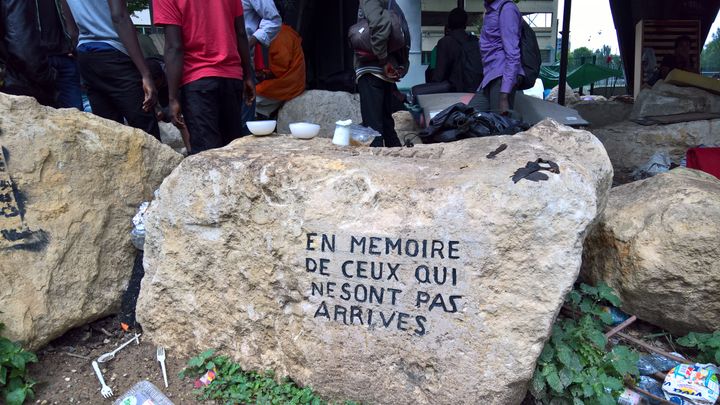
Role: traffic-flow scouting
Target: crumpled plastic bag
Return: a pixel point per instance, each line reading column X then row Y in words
column 660, row 162
column 692, row 384
column 650, row 364
column 362, row 136
column 137, row 234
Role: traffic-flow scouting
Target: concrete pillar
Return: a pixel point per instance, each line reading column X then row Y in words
column 413, row 15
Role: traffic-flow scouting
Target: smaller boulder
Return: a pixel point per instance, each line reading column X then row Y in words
column 667, row 99
column 657, row 246
column 630, row 145
column 320, row 107
column 570, row 96
column 406, row 128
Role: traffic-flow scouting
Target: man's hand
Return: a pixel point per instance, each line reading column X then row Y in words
column 176, row 114
column 504, row 103
column 150, row 93
column 249, row 90
column 252, row 41
column 391, row 72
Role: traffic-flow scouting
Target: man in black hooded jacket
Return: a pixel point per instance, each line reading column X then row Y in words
column 23, row 59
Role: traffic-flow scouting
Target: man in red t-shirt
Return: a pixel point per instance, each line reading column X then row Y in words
column 206, row 52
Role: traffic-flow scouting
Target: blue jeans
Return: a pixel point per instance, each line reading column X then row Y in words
column 67, row 83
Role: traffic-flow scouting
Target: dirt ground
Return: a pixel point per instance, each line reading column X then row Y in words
column 64, row 378
column 64, row 372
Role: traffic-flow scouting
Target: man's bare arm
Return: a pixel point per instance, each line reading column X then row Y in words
column 126, row 31
column 174, row 54
column 244, row 51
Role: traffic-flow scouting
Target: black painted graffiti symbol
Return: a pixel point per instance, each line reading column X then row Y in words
column 14, row 234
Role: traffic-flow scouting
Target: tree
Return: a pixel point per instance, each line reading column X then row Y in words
column 710, row 57
column 582, row 52
column 137, row 5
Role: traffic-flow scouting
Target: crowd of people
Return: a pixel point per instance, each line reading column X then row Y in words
column 227, row 62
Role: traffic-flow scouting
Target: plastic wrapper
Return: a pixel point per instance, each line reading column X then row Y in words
column 362, row 136
column 692, row 384
column 659, row 163
column 617, row 315
column 654, row 363
column 629, row 397
column 652, row 386
column 143, row 393
column 137, row 234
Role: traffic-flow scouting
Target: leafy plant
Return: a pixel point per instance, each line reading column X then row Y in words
column 233, row 385
column 574, row 367
column 707, row 345
column 15, row 386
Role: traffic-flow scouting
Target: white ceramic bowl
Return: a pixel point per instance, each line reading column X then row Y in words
column 304, row 130
column 260, row 128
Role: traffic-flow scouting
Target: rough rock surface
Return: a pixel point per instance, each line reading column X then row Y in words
column 171, row 136
column 406, row 127
column 320, row 107
column 603, row 113
column 70, row 184
column 657, row 246
column 631, row 145
column 234, row 231
column 668, row 99
column 570, row 96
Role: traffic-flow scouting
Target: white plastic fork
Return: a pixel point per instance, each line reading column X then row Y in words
column 161, row 359
column 105, row 391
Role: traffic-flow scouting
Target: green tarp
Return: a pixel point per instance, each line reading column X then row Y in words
column 578, row 77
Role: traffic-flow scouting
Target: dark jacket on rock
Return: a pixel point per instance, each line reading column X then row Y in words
column 23, row 58
column 379, row 21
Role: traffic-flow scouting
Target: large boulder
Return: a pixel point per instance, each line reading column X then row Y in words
column 631, row 145
column 667, row 99
column 657, row 246
column 320, row 107
column 70, row 183
column 402, row 275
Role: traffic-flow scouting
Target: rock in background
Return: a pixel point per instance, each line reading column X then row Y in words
column 171, row 136
column 70, row 186
column 667, row 99
column 234, row 233
column 658, row 247
column 603, row 113
column 570, row 96
column 631, row 145
column 320, row 107
column 406, row 128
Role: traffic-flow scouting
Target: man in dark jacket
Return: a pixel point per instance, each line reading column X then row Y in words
column 377, row 76
column 59, row 39
column 449, row 65
column 22, row 57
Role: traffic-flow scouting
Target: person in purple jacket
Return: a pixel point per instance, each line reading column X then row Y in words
column 500, row 51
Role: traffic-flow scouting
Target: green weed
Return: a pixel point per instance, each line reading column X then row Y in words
column 707, row 345
column 574, row 367
column 15, row 386
column 233, row 385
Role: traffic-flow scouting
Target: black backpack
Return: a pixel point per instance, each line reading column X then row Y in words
column 470, row 65
column 529, row 54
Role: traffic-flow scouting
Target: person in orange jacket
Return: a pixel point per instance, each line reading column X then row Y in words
column 284, row 78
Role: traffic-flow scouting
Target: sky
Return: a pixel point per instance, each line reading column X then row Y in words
column 592, row 26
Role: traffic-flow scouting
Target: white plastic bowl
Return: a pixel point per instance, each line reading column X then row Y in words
column 304, row 130
column 260, row 128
